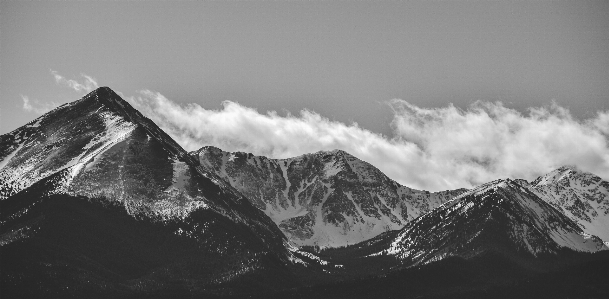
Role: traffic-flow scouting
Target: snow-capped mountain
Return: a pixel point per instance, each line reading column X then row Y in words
column 99, row 146
column 582, row 196
column 503, row 216
column 328, row 198
column 99, row 156
column 97, row 201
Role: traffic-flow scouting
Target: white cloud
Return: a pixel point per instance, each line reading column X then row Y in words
column 489, row 141
column 87, row 86
column 36, row 106
column 601, row 122
column 432, row 149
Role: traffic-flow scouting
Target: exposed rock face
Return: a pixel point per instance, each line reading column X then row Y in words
column 100, row 147
column 582, row 196
column 61, row 173
column 325, row 198
column 503, row 217
column 97, row 202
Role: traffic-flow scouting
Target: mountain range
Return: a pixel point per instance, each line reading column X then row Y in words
column 97, row 201
column 94, row 191
column 324, row 199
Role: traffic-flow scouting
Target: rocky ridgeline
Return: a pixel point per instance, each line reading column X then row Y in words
column 102, row 149
column 582, row 196
column 328, row 198
column 502, row 217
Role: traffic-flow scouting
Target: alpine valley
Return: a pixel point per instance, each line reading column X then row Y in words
column 96, row 201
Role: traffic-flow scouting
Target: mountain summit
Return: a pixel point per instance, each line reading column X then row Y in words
column 72, row 136
column 502, row 216
column 582, row 196
column 100, row 146
column 96, row 201
column 93, row 187
column 328, row 198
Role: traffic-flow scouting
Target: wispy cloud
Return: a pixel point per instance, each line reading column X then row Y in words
column 41, row 107
column 432, row 149
column 36, row 106
column 89, row 84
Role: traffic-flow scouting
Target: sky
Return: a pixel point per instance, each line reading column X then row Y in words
column 437, row 94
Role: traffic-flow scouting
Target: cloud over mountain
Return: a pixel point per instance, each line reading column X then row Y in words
column 87, row 86
column 431, row 148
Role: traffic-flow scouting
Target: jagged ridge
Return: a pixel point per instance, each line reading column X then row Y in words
column 501, row 216
column 328, row 198
column 582, row 196
column 101, row 150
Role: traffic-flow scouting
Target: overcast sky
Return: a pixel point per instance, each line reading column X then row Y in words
column 403, row 71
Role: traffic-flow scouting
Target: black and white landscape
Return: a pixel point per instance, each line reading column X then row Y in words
column 304, row 149
column 98, row 202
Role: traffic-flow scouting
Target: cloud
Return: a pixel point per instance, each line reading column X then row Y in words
column 489, row 141
column 87, row 86
column 432, row 149
column 601, row 122
column 36, row 106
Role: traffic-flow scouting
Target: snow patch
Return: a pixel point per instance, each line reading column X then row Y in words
column 10, row 156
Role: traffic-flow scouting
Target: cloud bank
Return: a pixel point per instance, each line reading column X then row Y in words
column 432, row 149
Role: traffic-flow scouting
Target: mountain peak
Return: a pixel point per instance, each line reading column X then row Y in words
column 582, row 196
column 561, row 173
column 102, row 94
column 339, row 152
column 326, row 198
column 491, row 186
column 568, row 167
column 334, row 152
column 101, row 147
column 103, row 89
column 69, row 137
column 110, row 99
column 499, row 216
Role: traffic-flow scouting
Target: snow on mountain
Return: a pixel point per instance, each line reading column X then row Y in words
column 501, row 216
column 582, row 196
column 328, row 198
column 101, row 148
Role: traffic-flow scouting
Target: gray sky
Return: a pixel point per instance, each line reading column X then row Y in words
column 342, row 60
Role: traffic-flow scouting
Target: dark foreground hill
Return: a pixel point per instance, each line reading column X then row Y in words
column 485, row 276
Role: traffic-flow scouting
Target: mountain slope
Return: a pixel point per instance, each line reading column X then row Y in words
column 99, row 153
column 498, row 240
column 322, row 199
column 582, row 196
column 100, row 146
column 501, row 217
